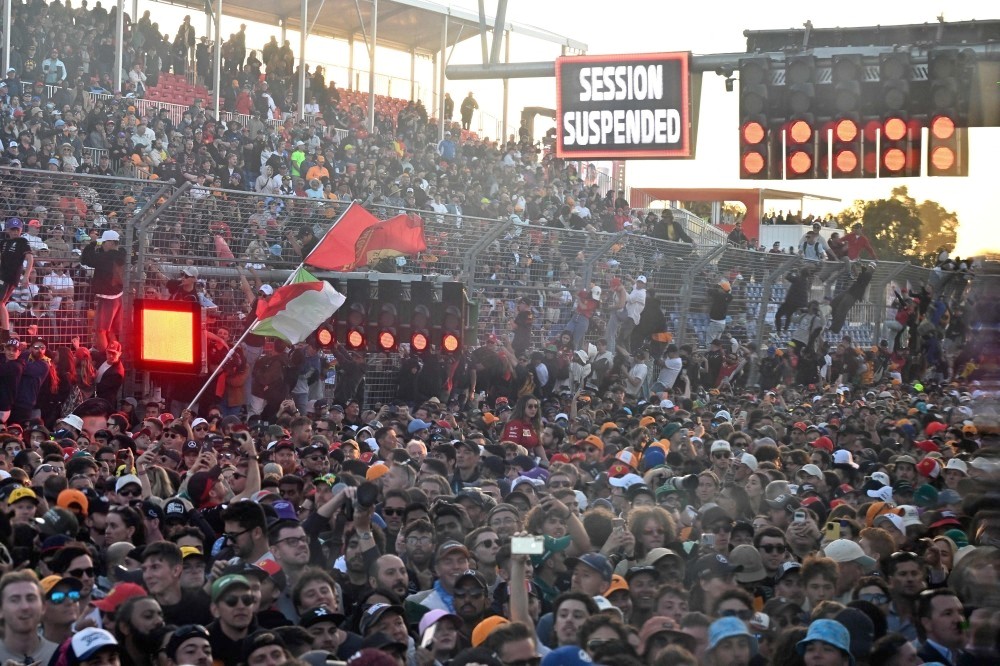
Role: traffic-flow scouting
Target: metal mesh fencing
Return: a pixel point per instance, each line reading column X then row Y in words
column 62, row 214
column 164, row 228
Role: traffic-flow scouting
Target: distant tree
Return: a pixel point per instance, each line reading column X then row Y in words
column 900, row 229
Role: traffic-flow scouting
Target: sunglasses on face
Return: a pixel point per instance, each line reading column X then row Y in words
column 245, row 599
column 59, row 598
column 80, row 573
column 877, row 599
column 131, row 493
column 393, row 512
column 722, row 454
column 773, row 548
column 469, row 594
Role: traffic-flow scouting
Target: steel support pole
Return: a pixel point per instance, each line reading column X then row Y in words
column 440, row 76
column 499, row 25
column 506, row 87
column 119, row 39
column 691, row 275
column 303, row 36
column 413, row 74
column 350, row 64
column 217, row 61
column 6, row 35
column 371, row 67
column 135, row 11
column 436, row 111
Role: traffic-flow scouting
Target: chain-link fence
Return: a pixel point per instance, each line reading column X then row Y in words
column 503, row 264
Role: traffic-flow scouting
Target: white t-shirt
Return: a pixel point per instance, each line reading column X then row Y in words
column 671, row 370
column 638, row 371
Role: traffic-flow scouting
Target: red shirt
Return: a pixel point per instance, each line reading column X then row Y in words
column 521, row 432
column 855, row 243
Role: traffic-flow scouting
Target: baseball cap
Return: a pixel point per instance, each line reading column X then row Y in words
column 595, row 561
column 319, row 614
column 220, row 586
column 785, row 569
column 708, row 566
column 22, row 493
column 568, row 655
column 88, row 642
column 482, row 630
column 750, row 566
column 433, row 617
column 71, row 497
column 374, row 613
column 126, row 480
column 110, row 235
column 845, row 550
column 119, row 594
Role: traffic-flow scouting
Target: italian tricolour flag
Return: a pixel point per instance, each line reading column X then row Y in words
column 294, row 311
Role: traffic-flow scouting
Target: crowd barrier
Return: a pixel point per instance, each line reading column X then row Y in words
column 164, row 227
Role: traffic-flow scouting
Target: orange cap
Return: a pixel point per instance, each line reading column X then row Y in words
column 486, row 627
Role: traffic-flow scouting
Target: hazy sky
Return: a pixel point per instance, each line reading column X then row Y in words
column 634, row 26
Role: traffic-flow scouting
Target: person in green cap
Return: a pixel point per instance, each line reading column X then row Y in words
column 233, row 607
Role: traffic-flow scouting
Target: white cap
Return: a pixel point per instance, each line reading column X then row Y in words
column 562, row 415
column 897, row 521
column 842, row 457
column 126, row 480
column 959, row 465
column 641, row 278
column 911, row 515
column 73, row 421
column 721, row 445
column 595, row 293
column 810, row 470
column 110, row 235
column 750, row 461
column 845, row 550
column 723, row 414
column 881, row 477
column 666, row 404
column 88, row 642
column 266, row 289
column 625, row 482
column 534, row 483
column 198, row 421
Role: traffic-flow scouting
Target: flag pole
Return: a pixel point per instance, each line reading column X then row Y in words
column 249, row 329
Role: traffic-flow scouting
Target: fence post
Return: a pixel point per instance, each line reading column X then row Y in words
column 685, row 300
column 765, row 296
column 588, row 270
column 472, row 259
column 879, row 300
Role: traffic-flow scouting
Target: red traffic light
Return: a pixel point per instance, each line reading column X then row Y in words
column 799, row 163
column 894, row 129
column 324, row 336
column 753, row 132
column 894, row 160
column 386, row 340
column 845, row 130
column 356, row 339
column 753, row 163
column 942, row 127
column 942, row 158
column 845, row 161
column 419, row 342
column 450, row 343
column 800, row 131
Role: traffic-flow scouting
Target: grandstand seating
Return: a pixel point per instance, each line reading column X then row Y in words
column 175, row 89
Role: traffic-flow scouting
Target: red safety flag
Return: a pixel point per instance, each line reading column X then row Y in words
column 402, row 235
column 336, row 250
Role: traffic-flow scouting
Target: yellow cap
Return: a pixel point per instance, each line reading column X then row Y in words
column 22, row 493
